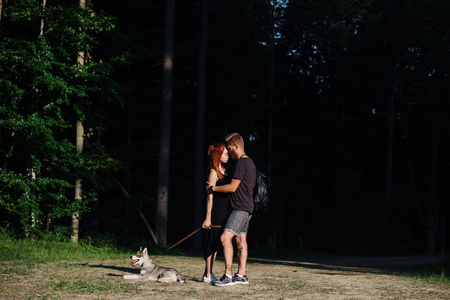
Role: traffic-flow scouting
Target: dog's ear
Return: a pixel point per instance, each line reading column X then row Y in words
column 145, row 251
column 140, row 249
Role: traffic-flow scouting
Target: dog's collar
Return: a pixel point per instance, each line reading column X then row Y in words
column 139, row 267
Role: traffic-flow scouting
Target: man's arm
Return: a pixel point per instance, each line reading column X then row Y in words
column 227, row 188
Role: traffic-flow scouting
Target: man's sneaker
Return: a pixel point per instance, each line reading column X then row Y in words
column 210, row 279
column 224, row 281
column 239, row 279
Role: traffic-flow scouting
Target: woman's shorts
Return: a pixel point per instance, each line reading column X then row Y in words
column 238, row 222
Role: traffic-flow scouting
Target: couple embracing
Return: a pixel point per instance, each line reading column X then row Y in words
column 224, row 191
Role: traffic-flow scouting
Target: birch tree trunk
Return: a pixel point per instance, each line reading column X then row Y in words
column 79, row 147
column 162, row 199
column 31, row 172
column 78, row 183
column 199, row 193
column 41, row 31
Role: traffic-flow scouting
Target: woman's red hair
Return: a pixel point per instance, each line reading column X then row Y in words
column 215, row 152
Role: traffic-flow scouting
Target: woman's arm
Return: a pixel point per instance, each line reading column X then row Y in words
column 209, row 200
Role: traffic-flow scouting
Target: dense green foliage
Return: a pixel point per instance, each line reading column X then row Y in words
column 360, row 111
column 43, row 91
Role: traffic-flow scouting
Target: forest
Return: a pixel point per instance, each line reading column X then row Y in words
column 107, row 109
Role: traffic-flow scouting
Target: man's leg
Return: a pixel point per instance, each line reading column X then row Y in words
column 242, row 252
column 237, row 222
column 227, row 241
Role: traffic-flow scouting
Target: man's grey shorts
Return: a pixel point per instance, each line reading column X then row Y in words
column 238, row 221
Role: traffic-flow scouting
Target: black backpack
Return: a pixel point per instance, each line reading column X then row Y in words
column 261, row 191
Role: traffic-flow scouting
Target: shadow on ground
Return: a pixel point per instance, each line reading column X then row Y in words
column 375, row 265
column 356, row 264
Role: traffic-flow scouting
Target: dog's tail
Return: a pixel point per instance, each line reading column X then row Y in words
column 181, row 278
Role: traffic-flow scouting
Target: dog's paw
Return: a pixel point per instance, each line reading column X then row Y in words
column 133, row 276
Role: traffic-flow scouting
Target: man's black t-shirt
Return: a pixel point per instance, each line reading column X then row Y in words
column 245, row 171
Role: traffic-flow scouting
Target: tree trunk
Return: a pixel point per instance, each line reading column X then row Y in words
column 162, row 200
column 388, row 175
column 412, row 177
column 128, row 158
column 270, row 231
column 442, row 230
column 432, row 217
column 31, row 172
column 199, row 193
column 41, row 31
column 78, row 183
column 1, row 10
column 79, row 147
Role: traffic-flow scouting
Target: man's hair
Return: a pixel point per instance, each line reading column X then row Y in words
column 235, row 139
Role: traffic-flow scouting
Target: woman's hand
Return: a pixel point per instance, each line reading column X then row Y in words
column 207, row 224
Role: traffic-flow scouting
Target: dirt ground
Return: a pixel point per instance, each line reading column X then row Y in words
column 302, row 278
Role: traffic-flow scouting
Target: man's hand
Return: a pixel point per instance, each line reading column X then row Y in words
column 208, row 188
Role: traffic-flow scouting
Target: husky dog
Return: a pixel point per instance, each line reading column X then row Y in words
column 151, row 271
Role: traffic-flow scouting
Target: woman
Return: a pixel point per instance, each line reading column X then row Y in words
column 216, row 208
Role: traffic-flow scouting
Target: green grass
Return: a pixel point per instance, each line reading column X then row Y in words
column 53, row 267
column 439, row 273
column 101, row 287
column 32, row 250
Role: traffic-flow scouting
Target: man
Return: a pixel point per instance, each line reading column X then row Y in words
column 243, row 179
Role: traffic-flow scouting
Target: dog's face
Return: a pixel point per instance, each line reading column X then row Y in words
column 139, row 258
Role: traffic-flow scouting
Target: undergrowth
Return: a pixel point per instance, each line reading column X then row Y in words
column 47, row 248
column 41, row 250
column 438, row 273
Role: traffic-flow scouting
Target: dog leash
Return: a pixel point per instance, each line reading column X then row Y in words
column 183, row 239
